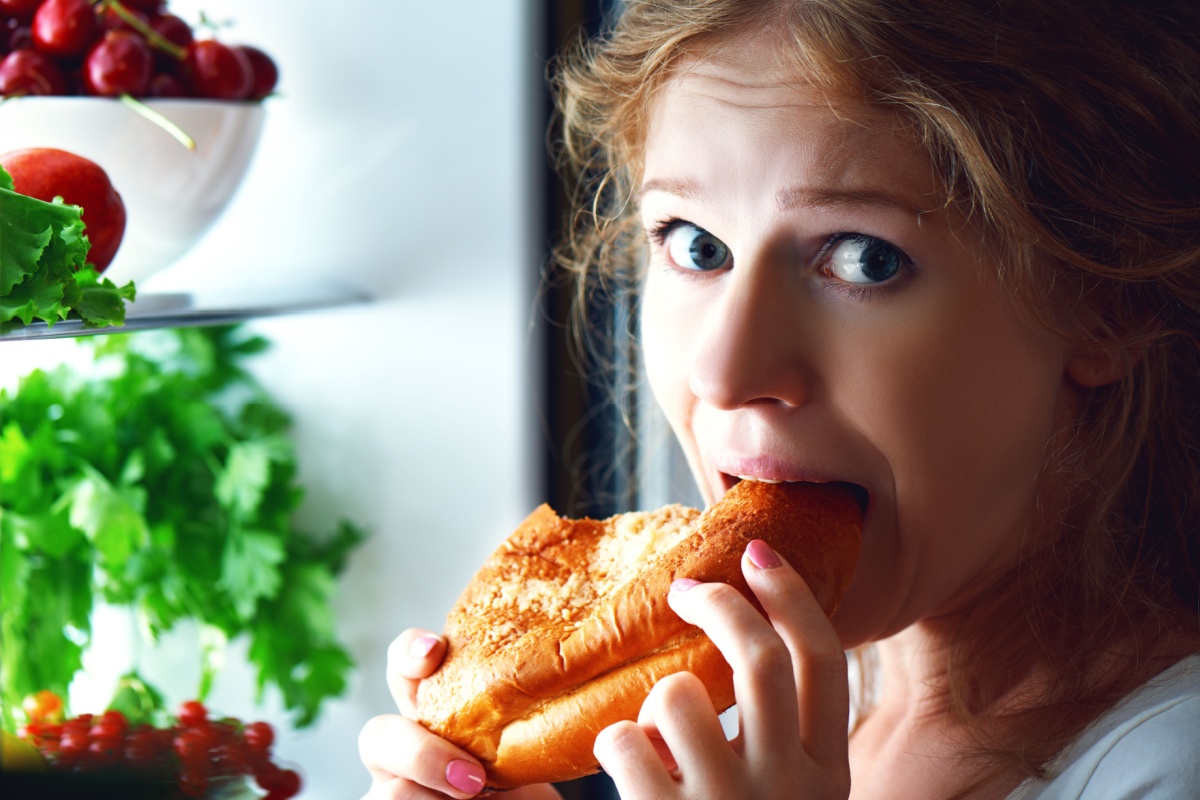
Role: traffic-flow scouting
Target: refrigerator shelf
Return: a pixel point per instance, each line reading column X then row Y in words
column 187, row 309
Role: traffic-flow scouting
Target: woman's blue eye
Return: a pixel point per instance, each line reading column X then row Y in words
column 858, row 258
column 696, row 249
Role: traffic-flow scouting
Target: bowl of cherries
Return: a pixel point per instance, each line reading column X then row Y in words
column 170, row 112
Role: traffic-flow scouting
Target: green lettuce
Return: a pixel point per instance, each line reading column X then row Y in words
column 44, row 274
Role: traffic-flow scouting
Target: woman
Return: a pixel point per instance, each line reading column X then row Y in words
column 947, row 251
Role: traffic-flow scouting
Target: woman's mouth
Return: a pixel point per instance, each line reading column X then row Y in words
column 861, row 495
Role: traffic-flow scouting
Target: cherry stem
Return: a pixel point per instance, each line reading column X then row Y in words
column 153, row 37
column 159, row 120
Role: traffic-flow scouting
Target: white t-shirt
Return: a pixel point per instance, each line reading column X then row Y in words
column 1145, row 748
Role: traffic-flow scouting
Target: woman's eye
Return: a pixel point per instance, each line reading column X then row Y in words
column 858, row 258
column 690, row 247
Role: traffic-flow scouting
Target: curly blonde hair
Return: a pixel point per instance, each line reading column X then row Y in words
column 1069, row 131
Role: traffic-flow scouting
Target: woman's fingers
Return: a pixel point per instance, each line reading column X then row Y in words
column 817, row 657
column 398, row 751
column 627, row 755
column 679, row 714
column 762, row 664
column 413, row 655
column 789, row 670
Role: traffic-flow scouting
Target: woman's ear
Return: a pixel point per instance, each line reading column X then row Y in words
column 1094, row 366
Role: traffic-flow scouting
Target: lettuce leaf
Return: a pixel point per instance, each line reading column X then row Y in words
column 44, row 273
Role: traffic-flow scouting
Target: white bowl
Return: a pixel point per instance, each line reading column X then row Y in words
column 172, row 195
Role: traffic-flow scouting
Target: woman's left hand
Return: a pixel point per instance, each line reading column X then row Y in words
column 790, row 681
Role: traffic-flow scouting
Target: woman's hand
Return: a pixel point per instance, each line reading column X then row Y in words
column 790, row 681
column 406, row 760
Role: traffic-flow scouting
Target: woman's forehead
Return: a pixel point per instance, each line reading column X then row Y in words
column 747, row 114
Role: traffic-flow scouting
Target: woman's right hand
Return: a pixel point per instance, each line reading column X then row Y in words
column 404, row 759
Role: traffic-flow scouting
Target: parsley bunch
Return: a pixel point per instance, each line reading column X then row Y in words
column 164, row 480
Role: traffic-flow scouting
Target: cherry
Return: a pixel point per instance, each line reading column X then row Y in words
column 64, row 28
column 167, row 85
column 217, row 71
column 22, row 10
column 16, row 35
column 266, row 73
column 110, row 20
column 175, row 31
column 30, row 72
column 148, row 6
column 120, row 63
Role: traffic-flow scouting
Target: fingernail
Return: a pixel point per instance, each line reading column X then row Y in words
column 762, row 556
column 683, row 584
column 464, row 776
column 422, row 646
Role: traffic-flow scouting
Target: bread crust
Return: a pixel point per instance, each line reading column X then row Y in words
column 555, row 638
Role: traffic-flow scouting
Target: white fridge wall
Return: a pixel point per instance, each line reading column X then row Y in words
column 402, row 155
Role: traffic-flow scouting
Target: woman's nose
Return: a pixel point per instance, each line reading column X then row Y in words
column 754, row 341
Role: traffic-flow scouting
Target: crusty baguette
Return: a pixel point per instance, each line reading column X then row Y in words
column 566, row 627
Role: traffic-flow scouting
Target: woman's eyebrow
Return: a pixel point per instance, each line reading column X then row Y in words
column 832, row 197
column 798, row 196
column 680, row 188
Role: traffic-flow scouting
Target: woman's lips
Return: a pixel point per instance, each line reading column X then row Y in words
column 861, row 495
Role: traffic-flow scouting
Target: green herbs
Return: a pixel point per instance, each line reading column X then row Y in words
column 43, row 272
column 164, row 481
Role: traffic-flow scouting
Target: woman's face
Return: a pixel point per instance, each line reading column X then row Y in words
column 813, row 312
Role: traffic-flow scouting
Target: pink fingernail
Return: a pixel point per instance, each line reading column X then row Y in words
column 683, row 584
column 465, row 776
column 422, row 646
column 762, row 556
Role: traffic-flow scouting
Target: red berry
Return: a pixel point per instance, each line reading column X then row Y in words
column 214, row 70
column 17, row 36
column 111, row 723
column 64, row 28
column 192, row 782
column 20, row 9
column 288, row 783
column 173, row 29
column 267, row 776
column 233, row 758
column 192, row 713
column 259, row 737
column 120, row 63
column 28, row 72
column 147, row 6
column 110, row 20
column 194, row 744
column 266, row 73
column 104, row 752
column 165, row 85
column 142, row 752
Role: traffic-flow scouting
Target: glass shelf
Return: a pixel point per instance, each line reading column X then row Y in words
column 218, row 307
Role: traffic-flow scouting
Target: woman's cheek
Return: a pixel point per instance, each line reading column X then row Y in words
column 665, row 337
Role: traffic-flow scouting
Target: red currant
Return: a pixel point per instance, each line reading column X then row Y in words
column 259, row 736
column 192, row 713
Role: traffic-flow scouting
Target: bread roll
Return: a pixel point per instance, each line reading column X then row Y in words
column 566, row 627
